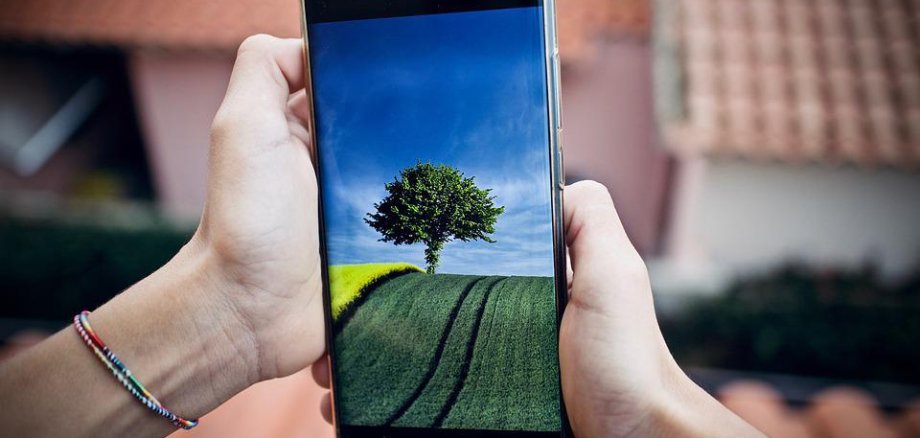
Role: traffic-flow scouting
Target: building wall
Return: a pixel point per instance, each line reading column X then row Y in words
column 607, row 117
column 747, row 217
column 177, row 96
column 608, row 135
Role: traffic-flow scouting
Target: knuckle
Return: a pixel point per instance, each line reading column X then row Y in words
column 595, row 216
column 592, row 189
column 220, row 125
column 590, row 195
column 629, row 270
column 594, row 204
column 256, row 43
column 635, row 269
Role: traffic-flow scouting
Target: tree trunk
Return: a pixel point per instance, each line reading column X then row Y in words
column 433, row 255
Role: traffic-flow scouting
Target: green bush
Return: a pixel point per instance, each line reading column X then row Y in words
column 846, row 325
column 50, row 270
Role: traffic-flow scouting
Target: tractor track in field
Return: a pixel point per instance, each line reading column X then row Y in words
column 467, row 358
column 433, row 364
column 455, row 377
column 442, row 344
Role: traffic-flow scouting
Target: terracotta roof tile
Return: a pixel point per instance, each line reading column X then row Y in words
column 848, row 412
column 165, row 24
column 582, row 22
column 763, row 407
column 222, row 25
column 823, row 80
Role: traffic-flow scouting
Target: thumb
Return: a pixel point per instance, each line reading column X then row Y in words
column 605, row 264
column 267, row 71
column 254, row 110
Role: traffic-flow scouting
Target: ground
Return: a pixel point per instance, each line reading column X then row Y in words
column 453, row 351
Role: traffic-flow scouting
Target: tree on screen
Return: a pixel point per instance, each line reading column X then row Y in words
column 434, row 204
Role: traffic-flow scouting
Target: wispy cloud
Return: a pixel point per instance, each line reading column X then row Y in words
column 523, row 233
column 467, row 90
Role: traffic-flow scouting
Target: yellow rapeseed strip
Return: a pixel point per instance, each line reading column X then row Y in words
column 348, row 282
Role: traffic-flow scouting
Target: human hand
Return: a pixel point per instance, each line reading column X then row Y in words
column 240, row 303
column 259, row 226
column 618, row 377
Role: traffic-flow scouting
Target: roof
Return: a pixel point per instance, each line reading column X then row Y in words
column 160, row 24
column 582, row 22
column 842, row 411
column 222, row 25
column 827, row 81
column 794, row 406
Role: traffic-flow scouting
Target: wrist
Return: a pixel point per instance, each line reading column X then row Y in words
column 227, row 339
column 682, row 408
column 180, row 335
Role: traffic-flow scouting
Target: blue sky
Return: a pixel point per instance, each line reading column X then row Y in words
column 463, row 89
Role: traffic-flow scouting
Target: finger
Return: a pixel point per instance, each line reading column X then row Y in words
column 593, row 230
column 601, row 254
column 325, row 407
column 266, row 72
column 320, row 371
column 268, row 67
column 297, row 104
column 569, row 274
column 255, row 109
column 299, row 119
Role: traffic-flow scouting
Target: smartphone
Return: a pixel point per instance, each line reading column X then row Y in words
column 436, row 130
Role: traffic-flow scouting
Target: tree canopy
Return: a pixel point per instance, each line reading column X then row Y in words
column 434, row 204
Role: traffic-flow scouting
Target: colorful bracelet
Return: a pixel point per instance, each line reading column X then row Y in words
column 123, row 374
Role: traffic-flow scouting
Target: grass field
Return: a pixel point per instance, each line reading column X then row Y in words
column 451, row 351
column 348, row 282
column 505, row 360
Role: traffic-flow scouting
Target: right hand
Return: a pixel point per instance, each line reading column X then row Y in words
column 618, row 377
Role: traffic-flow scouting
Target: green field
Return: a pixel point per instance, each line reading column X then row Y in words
column 347, row 283
column 452, row 351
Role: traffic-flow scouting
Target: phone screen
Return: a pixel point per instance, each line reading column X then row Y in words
column 434, row 151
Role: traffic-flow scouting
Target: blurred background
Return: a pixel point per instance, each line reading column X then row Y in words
column 763, row 155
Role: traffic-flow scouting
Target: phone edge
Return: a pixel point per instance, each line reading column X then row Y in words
column 553, row 78
column 557, row 181
column 324, row 266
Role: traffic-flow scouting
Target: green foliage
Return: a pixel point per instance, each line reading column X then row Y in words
column 434, row 204
column 844, row 325
column 50, row 269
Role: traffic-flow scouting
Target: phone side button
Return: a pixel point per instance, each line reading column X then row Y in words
column 557, row 90
column 562, row 181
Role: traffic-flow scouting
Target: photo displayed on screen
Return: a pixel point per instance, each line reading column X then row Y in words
column 433, row 138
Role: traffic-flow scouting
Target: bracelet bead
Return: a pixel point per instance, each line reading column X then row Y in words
column 123, row 374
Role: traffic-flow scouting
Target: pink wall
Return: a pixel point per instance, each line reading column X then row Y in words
column 608, row 126
column 177, row 96
column 607, row 118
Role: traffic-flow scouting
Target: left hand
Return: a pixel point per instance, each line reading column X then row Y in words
column 240, row 303
column 259, row 226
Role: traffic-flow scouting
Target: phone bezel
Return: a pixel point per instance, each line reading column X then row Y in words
column 557, row 179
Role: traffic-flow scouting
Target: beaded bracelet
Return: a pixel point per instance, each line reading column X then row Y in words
column 123, row 374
